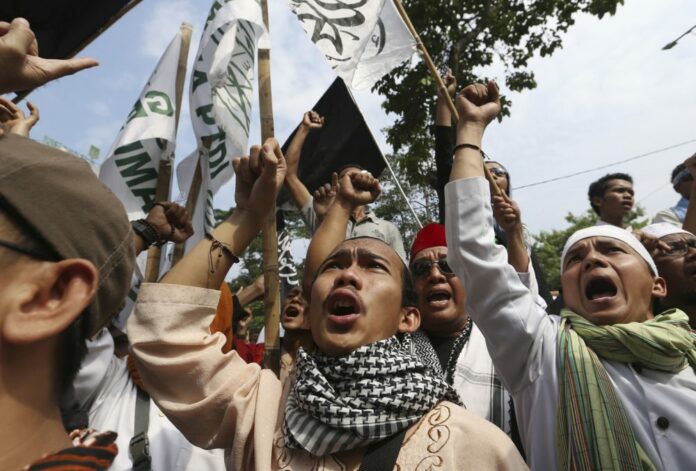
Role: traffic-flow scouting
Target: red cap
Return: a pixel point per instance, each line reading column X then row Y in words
column 432, row 235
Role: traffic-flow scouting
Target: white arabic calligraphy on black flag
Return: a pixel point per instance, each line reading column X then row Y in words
column 362, row 39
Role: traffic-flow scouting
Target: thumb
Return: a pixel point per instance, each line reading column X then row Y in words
column 493, row 92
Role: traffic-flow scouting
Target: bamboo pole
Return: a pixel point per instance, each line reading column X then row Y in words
column 440, row 83
column 271, row 357
column 164, row 173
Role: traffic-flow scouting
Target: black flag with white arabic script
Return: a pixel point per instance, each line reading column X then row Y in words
column 344, row 139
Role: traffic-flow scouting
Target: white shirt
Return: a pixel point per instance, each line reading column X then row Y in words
column 522, row 340
column 104, row 384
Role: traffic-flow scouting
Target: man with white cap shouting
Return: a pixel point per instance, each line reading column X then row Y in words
column 608, row 384
column 674, row 252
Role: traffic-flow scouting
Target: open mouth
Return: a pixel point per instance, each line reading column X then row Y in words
column 438, row 298
column 600, row 288
column 344, row 308
column 292, row 312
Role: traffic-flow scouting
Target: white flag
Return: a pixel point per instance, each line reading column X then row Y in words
column 220, row 98
column 362, row 39
column 148, row 136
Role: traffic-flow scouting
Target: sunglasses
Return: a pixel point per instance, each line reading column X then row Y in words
column 422, row 268
column 679, row 248
column 498, row 172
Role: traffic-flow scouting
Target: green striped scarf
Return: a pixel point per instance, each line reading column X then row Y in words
column 594, row 432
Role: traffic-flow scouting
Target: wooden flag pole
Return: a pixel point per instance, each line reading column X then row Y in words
column 164, row 173
column 271, row 357
column 440, row 83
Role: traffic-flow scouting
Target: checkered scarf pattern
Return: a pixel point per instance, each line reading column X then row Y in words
column 346, row 402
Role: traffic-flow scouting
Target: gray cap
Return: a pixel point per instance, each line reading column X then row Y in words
column 58, row 196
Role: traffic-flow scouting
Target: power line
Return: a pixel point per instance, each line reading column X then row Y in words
column 606, row 166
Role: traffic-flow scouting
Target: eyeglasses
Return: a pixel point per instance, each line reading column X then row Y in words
column 422, row 268
column 679, row 248
column 497, row 171
column 27, row 251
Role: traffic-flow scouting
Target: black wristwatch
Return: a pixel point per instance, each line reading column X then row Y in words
column 145, row 230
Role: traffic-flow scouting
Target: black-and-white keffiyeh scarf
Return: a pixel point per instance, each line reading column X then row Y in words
column 342, row 403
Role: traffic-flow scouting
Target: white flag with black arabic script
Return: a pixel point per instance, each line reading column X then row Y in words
column 220, row 99
column 148, row 136
column 361, row 39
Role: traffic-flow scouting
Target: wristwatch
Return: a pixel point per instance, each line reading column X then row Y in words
column 145, row 230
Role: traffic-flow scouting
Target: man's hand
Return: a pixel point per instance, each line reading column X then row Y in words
column 653, row 245
column 358, row 188
column 172, row 221
column 13, row 119
column 259, row 177
column 21, row 66
column 324, row 197
column 478, row 104
column 507, row 214
column 451, row 84
column 311, row 120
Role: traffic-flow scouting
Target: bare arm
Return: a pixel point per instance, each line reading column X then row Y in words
column 443, row 117
column 251, row 293
column 259, row 178
column 298, row 192
column 355, row 189
column 507, row 215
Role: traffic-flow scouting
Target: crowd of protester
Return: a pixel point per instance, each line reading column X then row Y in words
column 450, row 357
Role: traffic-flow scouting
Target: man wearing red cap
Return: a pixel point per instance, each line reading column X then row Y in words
column 453, row 345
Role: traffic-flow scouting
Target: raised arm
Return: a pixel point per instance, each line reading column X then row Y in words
column 259, row 178
column 518, row 333
column 508, row 216
column 216, row 399
column 298, row 192
column 14, row 120
column 444, row 141
column 171, row 223
column 354, row 189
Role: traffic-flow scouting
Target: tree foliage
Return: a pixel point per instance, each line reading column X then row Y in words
column 467, row 35
column 550, row 243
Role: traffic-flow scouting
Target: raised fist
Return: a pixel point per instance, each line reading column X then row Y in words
column 358, row 188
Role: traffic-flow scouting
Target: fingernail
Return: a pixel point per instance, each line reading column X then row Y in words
column 267, row 148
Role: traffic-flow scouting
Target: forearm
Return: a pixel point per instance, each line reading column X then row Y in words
column 298, row 191
column 330, row 233
column 250, row 294
column 518, row 256
column 195, row 268
column 443, row 117
column 292, row 156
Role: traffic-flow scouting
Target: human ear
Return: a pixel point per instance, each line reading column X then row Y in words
column 659, row 288
column 53, row 296
column 410, row 320
column 597, row 201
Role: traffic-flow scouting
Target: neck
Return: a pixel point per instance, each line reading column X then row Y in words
column 451, row 331
column 30, row 420
column 294, row 339
column 614, row 220
column 358, row 213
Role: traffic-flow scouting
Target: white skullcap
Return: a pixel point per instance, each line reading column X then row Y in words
column 613, row 232
column 662, row 229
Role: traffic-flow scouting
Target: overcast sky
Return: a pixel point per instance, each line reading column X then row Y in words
column 610, row 94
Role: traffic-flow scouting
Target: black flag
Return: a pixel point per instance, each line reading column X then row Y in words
column 344, row 139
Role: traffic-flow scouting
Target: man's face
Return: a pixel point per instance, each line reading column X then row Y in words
column 356, row 297
column 293, row 311
column 617, row 200
column 606, row 282
column 440, row 296
column 678, row 268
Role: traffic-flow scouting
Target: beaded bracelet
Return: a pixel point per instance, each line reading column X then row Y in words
column 223, row 247
column 469, row 146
